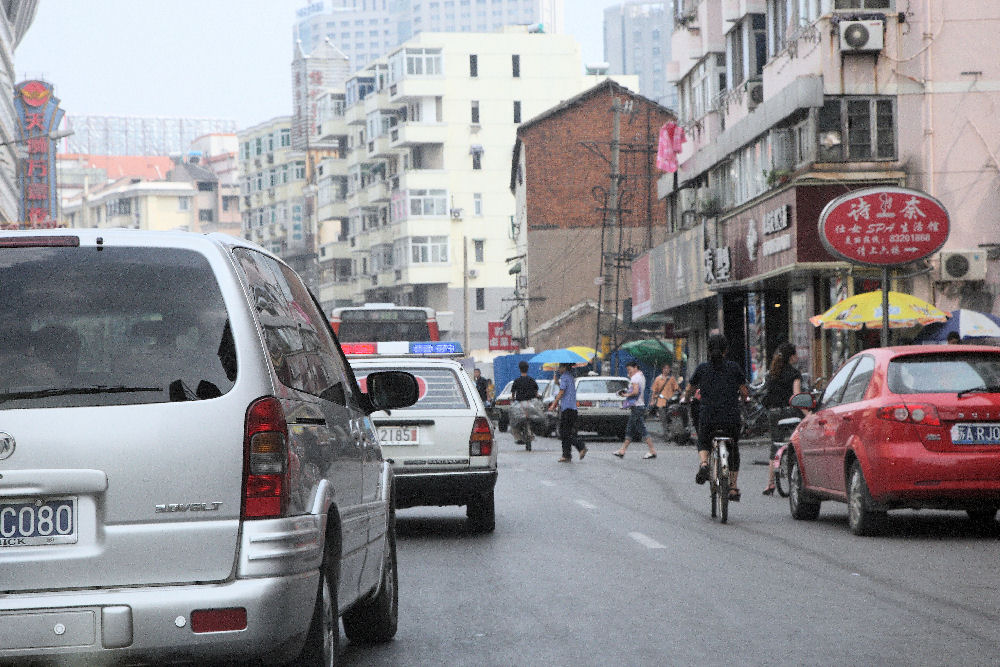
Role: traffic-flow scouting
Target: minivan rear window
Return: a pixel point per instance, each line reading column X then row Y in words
column 111, row 326
column 944, row 373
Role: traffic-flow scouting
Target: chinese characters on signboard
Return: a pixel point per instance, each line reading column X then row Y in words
column 717, row 265
column 500, row 337
column 884, row 226
column 39, row 116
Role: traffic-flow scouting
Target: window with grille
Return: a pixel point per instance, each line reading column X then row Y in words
column 857, row 129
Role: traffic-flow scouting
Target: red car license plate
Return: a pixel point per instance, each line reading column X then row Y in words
column 975, row 434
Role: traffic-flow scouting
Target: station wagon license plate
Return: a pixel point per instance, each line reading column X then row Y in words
column 32, row 522
column 399, row 435
column 975, row 434
column 610, row 404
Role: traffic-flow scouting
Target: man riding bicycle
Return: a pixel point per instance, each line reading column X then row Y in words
column 722, row 383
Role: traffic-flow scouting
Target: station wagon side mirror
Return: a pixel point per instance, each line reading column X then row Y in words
column 388, row 390
column 804, row 401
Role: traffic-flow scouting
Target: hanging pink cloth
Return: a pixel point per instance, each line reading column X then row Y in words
column 671, row 142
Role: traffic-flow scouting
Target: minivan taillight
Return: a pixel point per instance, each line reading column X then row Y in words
column 265, row 460
column 481, row 440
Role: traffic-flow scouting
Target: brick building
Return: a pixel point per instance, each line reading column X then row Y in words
column 561, row 180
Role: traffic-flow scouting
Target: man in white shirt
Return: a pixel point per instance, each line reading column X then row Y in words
column 636, row 428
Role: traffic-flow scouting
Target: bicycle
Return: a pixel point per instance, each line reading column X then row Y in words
column 718, row 475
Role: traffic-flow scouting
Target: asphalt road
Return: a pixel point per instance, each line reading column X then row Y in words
column 606, row 561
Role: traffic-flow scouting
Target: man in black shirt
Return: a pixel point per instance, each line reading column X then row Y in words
column 482, row 385
column 524, row 389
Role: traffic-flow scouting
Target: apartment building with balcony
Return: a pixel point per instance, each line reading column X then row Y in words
column 272, row 178
column 786, row 105
column 429, row 134
column 333, row 248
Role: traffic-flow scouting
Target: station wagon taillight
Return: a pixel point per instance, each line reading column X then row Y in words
column 920, row 413
column 584, row 404
column 481, row 440
column 265, row 460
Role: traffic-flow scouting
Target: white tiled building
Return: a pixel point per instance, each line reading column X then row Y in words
column 429, row 133
column 366, row 30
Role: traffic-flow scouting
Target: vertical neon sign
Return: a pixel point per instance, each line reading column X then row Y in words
column 39, row 116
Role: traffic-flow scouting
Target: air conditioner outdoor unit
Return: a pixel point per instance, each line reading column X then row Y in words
column 456, row 214
column 755, row 93
column 963, row 265
column 861, row 36
column 473, row 273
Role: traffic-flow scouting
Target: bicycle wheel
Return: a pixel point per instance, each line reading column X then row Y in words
column 724, row 495
column 781, row 475
column 712, row 481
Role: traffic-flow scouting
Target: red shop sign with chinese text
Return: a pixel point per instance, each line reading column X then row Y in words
column 884, row 226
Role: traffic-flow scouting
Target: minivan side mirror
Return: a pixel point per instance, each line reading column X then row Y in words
column 388, row 390
column 803, row 400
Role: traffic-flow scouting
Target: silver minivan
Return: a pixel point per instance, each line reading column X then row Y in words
column 188, row 470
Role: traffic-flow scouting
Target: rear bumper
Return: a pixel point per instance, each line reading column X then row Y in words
column 442, row 488
column 909, row 475
column 153, row 623
column 601, row 419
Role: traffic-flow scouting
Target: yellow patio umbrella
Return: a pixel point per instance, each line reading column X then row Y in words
column 586, row 355
column 584, row 351
column 865, row 310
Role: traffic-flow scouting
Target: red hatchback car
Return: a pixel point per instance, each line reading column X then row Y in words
column 902, row 427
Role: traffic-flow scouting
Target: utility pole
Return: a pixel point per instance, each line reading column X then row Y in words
column 465, row 292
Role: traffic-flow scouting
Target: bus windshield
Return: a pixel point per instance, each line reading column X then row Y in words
column 353, row 325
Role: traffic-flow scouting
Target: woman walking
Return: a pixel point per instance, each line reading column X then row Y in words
column 784, row 380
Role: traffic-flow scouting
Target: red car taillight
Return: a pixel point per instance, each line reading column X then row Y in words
column 265, row 460
column 919, row 413
column 584, row 404
column 481, row 440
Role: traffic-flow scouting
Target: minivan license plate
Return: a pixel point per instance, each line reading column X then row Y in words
column 32, row 522
column 399, row 435
column 975, row 434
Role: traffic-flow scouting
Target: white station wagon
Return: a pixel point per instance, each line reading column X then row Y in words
column 188, row 471
column 442, row 448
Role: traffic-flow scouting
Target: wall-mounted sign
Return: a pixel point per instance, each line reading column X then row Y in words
column 39, row 116
column 718, row 265
column 500, row 337
column 884, row 226
column 776, row 219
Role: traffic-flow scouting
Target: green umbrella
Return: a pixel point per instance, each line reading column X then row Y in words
column 651, row 351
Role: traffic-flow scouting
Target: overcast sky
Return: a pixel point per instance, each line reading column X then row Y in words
column 225, row 59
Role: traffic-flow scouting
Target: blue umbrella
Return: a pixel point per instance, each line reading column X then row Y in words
column 559, row 356
column 967, row 323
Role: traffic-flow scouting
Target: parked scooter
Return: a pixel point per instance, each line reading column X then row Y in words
column 674, row 417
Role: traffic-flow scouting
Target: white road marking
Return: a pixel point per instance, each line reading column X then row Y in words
column 585, row 505
column 546, row 482
column 646, row 541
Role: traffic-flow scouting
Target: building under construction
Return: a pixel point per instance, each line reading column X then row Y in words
column 137, row 135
